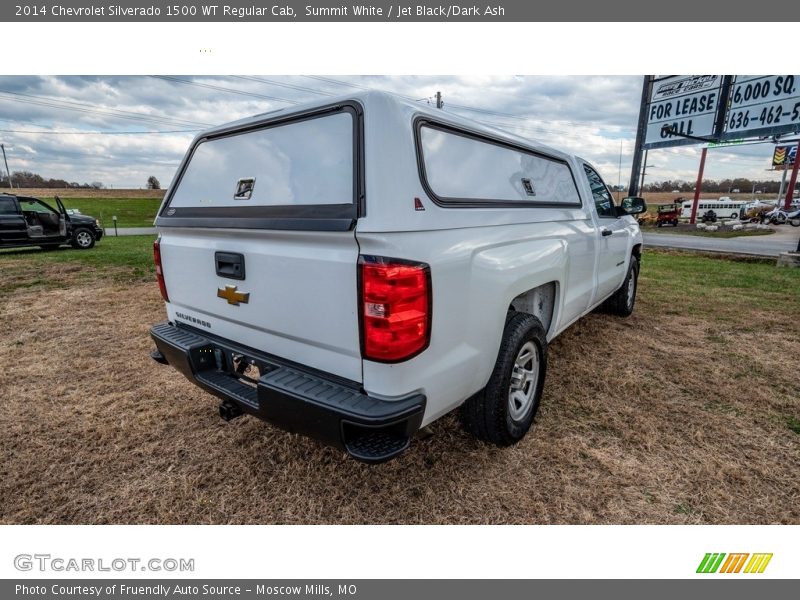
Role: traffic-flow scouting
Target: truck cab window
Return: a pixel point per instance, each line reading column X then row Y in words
column 602, row 197
column 7, row 206
column 36, row 206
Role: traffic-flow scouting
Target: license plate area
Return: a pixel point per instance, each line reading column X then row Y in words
column 247, row 369
column 238, row 365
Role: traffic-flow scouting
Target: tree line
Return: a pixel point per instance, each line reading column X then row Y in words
column 26, row 179
column 724, row 186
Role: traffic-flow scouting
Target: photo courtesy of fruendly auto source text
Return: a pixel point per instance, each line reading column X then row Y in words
column 399, row 299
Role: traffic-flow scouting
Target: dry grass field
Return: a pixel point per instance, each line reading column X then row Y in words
column 86, row 193
column 687, row 412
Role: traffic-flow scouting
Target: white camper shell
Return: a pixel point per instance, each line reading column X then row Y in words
column 356, row 268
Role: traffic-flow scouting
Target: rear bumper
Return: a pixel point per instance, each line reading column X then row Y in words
column 333, row 411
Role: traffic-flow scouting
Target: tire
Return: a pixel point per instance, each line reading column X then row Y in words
column 794, row 222
column 621, row 303
column 503, row 412
column 82, row 239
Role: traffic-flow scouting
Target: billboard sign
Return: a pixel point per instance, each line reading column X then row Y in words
column 687, row 104
column 762, row 105
column 783, row 157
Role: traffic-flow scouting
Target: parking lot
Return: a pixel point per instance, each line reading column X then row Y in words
column 687, row 412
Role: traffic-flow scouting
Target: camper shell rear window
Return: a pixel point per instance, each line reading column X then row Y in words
column 303, row 171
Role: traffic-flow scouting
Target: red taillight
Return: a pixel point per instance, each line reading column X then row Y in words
column 395, row 308
column 159, row 270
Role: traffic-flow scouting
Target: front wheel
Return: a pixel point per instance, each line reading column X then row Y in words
column 503, row 412
column 622, row 301
column 82, row 239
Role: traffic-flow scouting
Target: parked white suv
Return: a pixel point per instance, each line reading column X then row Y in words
column 353, row 270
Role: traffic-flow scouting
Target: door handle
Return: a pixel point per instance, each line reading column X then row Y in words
column 606, row 232
column 229, row 264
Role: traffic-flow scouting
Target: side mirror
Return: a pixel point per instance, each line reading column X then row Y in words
column 632, row 205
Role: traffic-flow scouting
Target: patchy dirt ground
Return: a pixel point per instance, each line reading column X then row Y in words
column 666, row 417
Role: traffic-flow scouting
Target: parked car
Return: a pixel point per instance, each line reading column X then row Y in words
column 28, row 221
column 357, row 268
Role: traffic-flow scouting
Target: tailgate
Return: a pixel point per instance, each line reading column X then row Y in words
column 301, row 286
column 280, row 194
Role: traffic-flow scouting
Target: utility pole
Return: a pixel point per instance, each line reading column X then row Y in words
column 439, row 101
column 783, row 185
column 5, row 160
column 619, row 173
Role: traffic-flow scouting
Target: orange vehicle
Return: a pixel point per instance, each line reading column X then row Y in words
column 668, row 214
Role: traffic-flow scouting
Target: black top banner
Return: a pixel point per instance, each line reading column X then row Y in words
column 672, row 12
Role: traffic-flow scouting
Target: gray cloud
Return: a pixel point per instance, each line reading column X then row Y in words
column 589, row 115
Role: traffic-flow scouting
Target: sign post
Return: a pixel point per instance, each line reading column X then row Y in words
column 792, row 182
column 698, row 186
column 783, row 158
column 633, row 186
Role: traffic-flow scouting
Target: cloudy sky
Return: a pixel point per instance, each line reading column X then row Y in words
column 120, row 130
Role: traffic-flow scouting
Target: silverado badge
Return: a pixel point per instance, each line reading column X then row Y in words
column 233, row 296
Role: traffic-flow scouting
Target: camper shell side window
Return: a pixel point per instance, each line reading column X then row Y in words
column 463, row 169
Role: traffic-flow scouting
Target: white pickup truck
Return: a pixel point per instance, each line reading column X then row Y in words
column 353, row 270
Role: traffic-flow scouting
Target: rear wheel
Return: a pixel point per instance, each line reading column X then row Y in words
column 795, row 222
column 82, row 239
column 622, row 301
column 503, row 412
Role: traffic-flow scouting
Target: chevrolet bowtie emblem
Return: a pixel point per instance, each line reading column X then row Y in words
column 233, row 296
